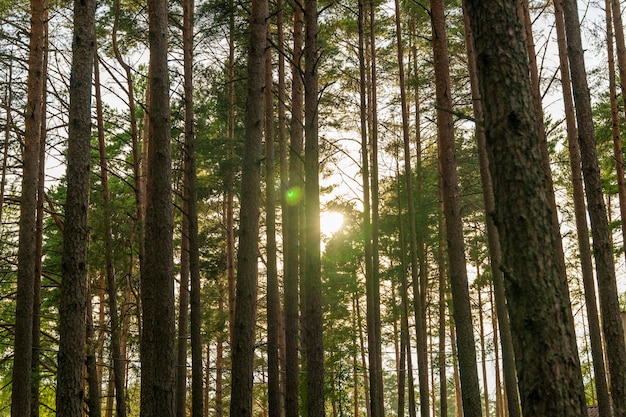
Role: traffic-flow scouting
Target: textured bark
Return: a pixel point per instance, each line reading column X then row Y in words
column 247, row 256
column 602, row 248
column 292, row 220
column 73, row 304
column 22, row 358
column 158, row 354
column 548, row 367
column 495, row 250
column 312, row 330
column 470, row 388
column 582, row 228
column 230, row 175
column 422, row 358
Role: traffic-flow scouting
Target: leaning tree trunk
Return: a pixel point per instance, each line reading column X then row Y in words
column 602, row 248
column 73, row 304
column 22, row 358
column 542, row 323
column 247, row 258
column 158, row 353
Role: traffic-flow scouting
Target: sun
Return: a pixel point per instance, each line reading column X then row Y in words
column 330, row 222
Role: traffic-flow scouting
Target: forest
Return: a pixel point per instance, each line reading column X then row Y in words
column 312, row 208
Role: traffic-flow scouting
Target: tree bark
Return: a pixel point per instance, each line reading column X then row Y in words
column 158, row 354
column 22, row 358
column 495, row 250
column 247, row 256
column 73, row 304
column 548, row 367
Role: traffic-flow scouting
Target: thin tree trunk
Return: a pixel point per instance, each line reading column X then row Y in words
column 230, row 177
column 8, row 100
column 74, row 293
column 550, row 381
column 292, row 220
column 372, row 279
column 93, row 398
column 580, row 211
column 493, row 237
column 111, row 285
column 273, row 299
column 602, row 248
column 470, row 387
column 183, row 302
column 420, row 324
column 22, row 358
column 483, row 350
column 363, row 357
column 614, row 7
column 441, row 359
column 247, row 258
column 158, row 353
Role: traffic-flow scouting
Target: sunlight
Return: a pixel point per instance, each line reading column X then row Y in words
column 330, row 222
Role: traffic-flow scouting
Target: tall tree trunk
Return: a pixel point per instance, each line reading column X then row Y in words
column 493, row 238
column 550, row 381
column 372, row 279
column 602, row 248
column 183, row 301
column 273, row 300
column 230, row 176
column 158, row 354
column 111, row 284
column 247, row 257
column 73, row 304
column 93, row 397
column 470, row 387
column 292, row 220
column 8, row 102
column 22, row 358
column 441, row 359
column 191, row 212
column 312, row 326
column 483, row 350
column 41, row 191
column 614, row 8
column 580, row 211
column 420, row 322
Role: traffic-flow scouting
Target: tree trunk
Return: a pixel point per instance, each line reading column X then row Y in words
column 93, row 398
column 247, row 257
column 550, row 380
column 580, row 211
column 312, row 326
column 602, row 248
column 495, row 250
column 621, row 59
column 273, row 299
column 158, row 383
column 111, row 285
column 22, row 358
column 73, row 304
column 470, row 388
column 420, row 323
column 292, row 220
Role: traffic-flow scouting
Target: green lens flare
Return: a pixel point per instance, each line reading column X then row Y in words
column 293, row 195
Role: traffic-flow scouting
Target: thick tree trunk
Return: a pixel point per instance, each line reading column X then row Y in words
column 495, row 251
column 22, row 359
column 550, row 381
column 247, row 257
column 158, row 354
column 73, row 304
